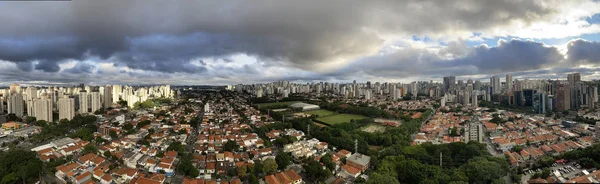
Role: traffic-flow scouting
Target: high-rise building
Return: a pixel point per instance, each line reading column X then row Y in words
column 15, row 88
column 509, row 80
column 83, row 102
column 539, row 103
column 474, row 132
column 30, row 96
column 15, row 104
column 95, row 101
column 449, row 83
column 573, row 78
column 66, row 108
column 495, row 84
column 116, row 93
column 474, row 101
column 477, row 85
column 563, row 97
column 368, row 94
column 43, row 109
column 107, row 100
column 206, row 107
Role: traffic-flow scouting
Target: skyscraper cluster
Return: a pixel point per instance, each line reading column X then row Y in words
column 43, row 102
column 542, row 95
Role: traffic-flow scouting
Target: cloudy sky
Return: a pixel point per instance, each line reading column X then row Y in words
column 249, row 41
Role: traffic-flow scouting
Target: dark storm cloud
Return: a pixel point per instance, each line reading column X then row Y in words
column 582, row 51
column 81, row 68
column 300, row 32
column 508, row 56
column 514, row 55
column 47, row 66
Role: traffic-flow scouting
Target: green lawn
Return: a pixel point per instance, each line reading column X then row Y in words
column 320, row 113
column 340, row 118
column 275, row 104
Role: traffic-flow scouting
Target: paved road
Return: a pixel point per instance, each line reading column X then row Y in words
column 412, row 137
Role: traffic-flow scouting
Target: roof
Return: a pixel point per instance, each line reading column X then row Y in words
column 65, row 168
column 350, row 169
column 359, row 159
column 303, row 105
column 283, row 178
column 271, row 179
column 87, row 157
column 339, row 181
column 293, row 175
column 82, row 176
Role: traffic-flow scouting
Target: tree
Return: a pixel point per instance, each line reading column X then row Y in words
column 482, row 170
column 269, row 166
column 546, row 161
column 113, row 134
column 242, row 171
column 107, row 154
column 17, row 164
column 231, row 146
column 377, row 178
column 122, row 103
column 283, row 160
column 176, row 146
column 187, row 168
column 315, row 172
column 90, row 148
column 518, row 148
column 328, row 161
column 128, row 126
column 182, row 131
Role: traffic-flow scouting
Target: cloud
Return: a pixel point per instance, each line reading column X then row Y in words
column 508, row 56
column 582, row 51
column 313, row 39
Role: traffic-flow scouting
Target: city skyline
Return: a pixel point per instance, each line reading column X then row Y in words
column 196, row 43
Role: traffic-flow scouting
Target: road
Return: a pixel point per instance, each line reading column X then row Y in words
column 189, row 148
column 412, row 137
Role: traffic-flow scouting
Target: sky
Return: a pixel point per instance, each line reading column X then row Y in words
column 257, row 41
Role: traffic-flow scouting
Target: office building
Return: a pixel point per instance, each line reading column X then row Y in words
column 66, row 108
column 449, row 83
column 43, row 109
column 539, row 103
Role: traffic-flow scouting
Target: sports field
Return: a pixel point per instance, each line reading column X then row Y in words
column 340, row 118
column 275, row 104
column 320, row 113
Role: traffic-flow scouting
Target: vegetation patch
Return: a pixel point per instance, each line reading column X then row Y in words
column 340, row 118
column 320, row 113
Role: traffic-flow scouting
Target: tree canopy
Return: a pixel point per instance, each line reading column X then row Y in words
column 19, row 165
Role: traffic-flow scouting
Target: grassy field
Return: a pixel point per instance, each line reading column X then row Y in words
column 320, row 113
column 275, row 104
column 340, row 118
